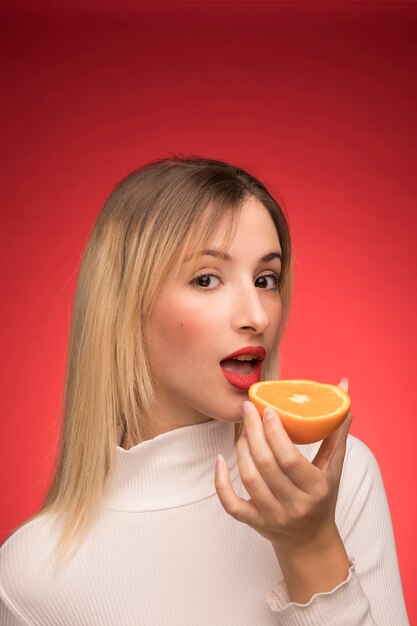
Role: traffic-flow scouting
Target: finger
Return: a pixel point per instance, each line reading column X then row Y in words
column 331, row 443
column 242, row 510
column 337, row 457
column 333, row 448
column 261, row 495
column 293, row 470
column 262, row 459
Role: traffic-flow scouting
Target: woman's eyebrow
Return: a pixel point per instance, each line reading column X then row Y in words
column 226, row 257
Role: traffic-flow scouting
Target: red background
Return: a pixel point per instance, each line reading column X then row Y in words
column 318, row 99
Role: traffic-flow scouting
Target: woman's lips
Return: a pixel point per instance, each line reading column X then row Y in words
column 244, row 381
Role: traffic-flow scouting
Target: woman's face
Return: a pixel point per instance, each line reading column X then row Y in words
column 197, row 321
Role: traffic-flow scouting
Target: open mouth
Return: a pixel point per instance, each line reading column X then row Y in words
column 241, row 374
column 244, row 368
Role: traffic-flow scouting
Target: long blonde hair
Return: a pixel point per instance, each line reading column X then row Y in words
column 144, row 230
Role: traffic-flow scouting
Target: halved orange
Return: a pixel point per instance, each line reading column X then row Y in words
column 309, row 411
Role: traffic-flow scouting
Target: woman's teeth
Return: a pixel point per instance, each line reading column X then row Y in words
column 239, row 366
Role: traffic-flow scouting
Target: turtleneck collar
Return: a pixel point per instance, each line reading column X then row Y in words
column 172, row 469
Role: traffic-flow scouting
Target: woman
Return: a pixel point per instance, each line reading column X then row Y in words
column 190, row 261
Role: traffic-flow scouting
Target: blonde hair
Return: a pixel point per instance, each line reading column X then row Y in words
column 148, row 224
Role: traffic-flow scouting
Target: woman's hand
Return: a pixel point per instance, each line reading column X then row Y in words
column 292, row 501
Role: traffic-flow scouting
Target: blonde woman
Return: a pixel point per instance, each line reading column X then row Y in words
column 187, row 267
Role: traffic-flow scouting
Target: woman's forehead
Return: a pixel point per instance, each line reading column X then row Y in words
column 213, row 227
column 219, row 228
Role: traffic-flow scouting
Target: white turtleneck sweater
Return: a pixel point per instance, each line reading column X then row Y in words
column 164, row 552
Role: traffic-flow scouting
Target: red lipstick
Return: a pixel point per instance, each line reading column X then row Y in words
column 258, row 351
column 244, row 381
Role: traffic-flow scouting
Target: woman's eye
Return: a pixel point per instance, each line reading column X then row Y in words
column 202, row 281
column 275, row 281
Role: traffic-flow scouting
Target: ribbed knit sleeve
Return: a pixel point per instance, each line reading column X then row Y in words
column 345, row 605
column 372, row 593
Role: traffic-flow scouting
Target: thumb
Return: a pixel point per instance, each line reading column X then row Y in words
column 334, row 447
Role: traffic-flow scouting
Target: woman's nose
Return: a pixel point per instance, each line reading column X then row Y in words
column 249, row 311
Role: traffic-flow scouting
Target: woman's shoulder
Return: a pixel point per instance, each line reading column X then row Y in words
column 356, row 451
column 360, row 456
column 361, row 486
column 25, row 554
column 29, row 530
column 360, row 467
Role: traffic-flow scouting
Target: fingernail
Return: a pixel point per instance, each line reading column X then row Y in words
column 220, row 465
column 247, row 406
column 345, row 381
column 269, row 414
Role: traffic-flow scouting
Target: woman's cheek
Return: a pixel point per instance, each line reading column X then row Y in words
column 178, row 331
column 193, row 328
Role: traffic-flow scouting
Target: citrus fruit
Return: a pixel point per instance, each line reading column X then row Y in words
column 309, row 411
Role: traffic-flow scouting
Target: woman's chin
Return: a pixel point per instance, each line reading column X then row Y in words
column 232, row 413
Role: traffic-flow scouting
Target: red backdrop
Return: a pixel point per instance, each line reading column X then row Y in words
column 318, row 99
